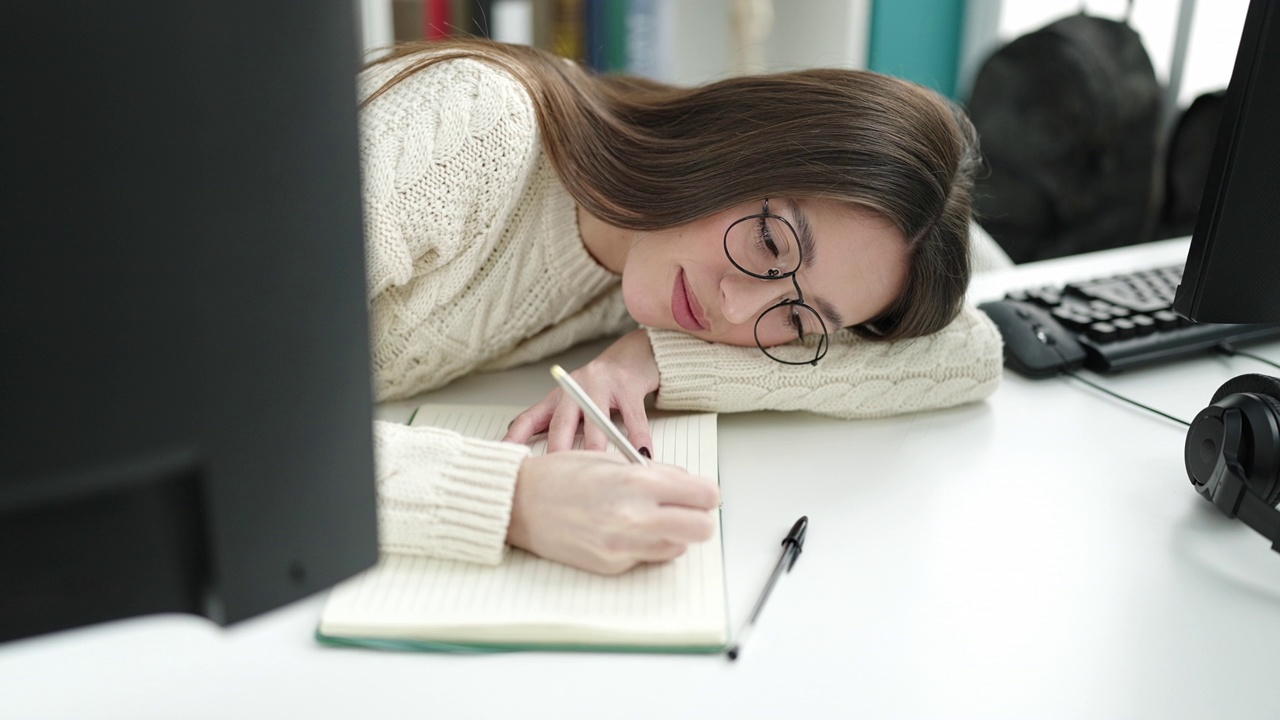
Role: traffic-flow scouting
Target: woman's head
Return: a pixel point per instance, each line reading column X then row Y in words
column 888, row 153
column 735, row 276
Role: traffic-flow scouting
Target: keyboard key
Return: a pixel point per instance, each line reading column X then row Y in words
column 1125, row 328
column 1071, row 318
column 1144, row 324
column 1166, row 319
column 1103, row 332
column 1047, row 296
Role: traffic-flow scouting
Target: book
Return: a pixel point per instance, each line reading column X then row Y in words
column 544, row 24
column 511, row 21
column 437, row 19
column 650, row 30
column 569, row 31
column 470, row 17
column 527, row 602
column 605, row 28
column 406, row 19
column 613, row 37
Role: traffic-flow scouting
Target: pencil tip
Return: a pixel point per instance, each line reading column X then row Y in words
column 733, row 653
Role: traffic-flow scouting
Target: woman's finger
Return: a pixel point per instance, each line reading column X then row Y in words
column 532, row 421
column 636, row 423
column 563, row 428
column 662, row 552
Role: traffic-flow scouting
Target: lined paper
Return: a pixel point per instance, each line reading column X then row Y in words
column 528, row 600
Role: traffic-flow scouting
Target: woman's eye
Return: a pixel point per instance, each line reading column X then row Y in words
column 766, row 238
column 792, row 320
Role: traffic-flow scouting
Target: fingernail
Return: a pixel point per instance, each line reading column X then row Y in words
column 645, row 452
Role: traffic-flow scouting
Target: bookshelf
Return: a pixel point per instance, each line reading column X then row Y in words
column 680, row 41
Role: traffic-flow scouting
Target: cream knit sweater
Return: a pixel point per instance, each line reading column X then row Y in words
column 475, row 263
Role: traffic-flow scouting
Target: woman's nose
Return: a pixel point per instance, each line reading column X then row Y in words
column 745, row 297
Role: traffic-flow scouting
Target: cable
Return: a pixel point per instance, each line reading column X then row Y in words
column 1118, row 396
column 1225, row 348
column 1112, row 393
column 1231, row 350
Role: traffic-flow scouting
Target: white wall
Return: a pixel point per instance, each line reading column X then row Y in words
column 374, row 18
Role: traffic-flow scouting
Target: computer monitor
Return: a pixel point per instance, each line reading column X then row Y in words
column 185, row 396
column 1232, row 273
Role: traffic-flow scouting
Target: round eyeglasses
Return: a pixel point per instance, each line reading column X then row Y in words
column 766, row 246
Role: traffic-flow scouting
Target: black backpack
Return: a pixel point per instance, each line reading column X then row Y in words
column 1190, row 150
column 1069, row 121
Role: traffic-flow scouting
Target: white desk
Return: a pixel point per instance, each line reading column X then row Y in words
column 1038, row 555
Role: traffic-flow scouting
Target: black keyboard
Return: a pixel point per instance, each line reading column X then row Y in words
column 1125, row 321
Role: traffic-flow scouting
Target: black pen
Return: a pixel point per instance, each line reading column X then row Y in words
column 791, row 546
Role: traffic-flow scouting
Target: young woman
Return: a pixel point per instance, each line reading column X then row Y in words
column 790, row 242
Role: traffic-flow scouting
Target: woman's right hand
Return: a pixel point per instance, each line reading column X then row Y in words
column 595, row 511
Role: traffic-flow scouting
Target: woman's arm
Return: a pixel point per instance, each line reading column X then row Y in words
column 442, row 494
column 858, row 378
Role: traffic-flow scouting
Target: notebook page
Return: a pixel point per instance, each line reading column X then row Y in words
column 530, row 600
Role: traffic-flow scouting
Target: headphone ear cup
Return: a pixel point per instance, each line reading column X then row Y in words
column 1251, row 383
column 1258, row 399
column 1269, row 482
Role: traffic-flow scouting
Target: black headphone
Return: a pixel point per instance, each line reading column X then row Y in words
column 1233, row 452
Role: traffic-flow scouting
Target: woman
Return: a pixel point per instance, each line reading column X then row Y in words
column 789, row 242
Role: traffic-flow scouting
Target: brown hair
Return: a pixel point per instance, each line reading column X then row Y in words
column 645, row 156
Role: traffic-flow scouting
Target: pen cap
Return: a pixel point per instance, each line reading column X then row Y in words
column 795, row 538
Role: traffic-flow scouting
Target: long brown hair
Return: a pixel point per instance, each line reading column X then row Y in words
column 646, row 156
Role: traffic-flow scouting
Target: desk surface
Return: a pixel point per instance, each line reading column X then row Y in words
column 1041, row 554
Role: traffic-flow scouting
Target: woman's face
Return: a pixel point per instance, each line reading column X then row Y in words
column 681, row 279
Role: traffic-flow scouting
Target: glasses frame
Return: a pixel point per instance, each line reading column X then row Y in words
column 776, row 274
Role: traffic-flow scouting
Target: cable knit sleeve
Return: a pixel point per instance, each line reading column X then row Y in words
column 858, row 378
column 605, row 317
column 443, row 494
column 441, row 152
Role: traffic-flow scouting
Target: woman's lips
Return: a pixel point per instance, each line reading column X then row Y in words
column 684, row 306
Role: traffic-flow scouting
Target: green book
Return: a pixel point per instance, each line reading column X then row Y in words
column 614, row 40
column 528, row 603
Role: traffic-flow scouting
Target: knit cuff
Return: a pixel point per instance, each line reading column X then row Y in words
column 455, row 505
column 686, row 380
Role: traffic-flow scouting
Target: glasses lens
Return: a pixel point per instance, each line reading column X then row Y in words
column 764, row 246
column 792, row 334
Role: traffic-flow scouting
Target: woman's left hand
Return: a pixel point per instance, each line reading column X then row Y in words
column 619, row 379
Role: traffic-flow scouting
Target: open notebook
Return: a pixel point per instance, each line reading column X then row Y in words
column 415, row 603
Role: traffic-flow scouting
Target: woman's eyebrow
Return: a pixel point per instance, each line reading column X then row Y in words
column 833, row 315
column 809, row 249
column 804, row 233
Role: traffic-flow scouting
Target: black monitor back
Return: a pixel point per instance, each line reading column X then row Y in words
column 1232, row 274
column 185, row 403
